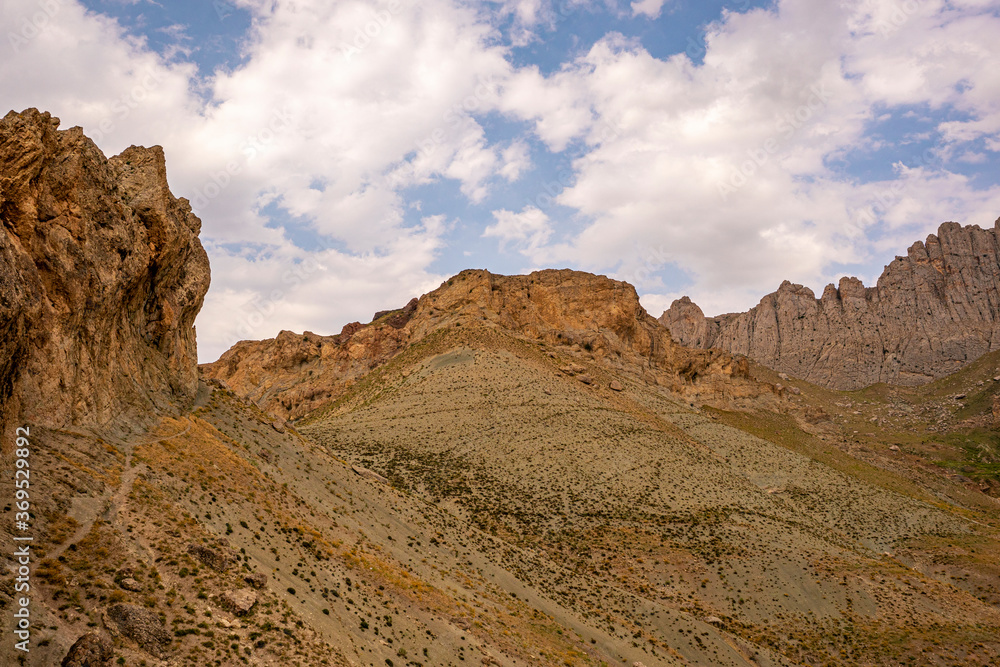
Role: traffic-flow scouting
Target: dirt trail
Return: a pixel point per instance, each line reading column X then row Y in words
column 86, row 509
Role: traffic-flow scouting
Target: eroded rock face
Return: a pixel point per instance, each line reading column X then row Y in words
column 931, row 312
column 101, row 277
column 293, row 374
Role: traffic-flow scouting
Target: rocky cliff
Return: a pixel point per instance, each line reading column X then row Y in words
column 930, row 313
column 293, row 374
column 101, row 277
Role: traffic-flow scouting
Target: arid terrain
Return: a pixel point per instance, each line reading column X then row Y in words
column 509, row 470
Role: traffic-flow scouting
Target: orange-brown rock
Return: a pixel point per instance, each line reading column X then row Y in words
column 293, row 374
column 931, row 312
column 101, row 277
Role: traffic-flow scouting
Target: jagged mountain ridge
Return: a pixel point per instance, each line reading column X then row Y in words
column 293, row 374
column 931, row 312
column 513, row 472
column 101, row 277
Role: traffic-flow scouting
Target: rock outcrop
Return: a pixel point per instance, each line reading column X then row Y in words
column 93, row 649
column 141, row 625
column 101, row 277
column 219, row 559
column 931, row 312
column 238, row 602
column 293, row 374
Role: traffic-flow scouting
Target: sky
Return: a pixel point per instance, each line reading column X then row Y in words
column 346, row 156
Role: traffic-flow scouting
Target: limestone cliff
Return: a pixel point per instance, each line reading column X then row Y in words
column 101, row 277
column 930, row 313
column 293, row 374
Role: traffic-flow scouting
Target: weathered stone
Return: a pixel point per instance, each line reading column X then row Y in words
column 93, row 649
column 256, row 579
column 140, row 625
column 101, row 277
column 238, row 602
column 616, row 386
column 586, row 379
column 931, row 312
column 130, row 584
column 219, row 559
column 218, row 384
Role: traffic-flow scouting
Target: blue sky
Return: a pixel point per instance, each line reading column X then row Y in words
column 347, row 156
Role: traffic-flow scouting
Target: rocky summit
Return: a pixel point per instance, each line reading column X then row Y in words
column 101, row 277
column 293, row 374
column 931, row 312
column 508, row 471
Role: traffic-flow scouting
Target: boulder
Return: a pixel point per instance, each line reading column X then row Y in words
column 93, row 649
column 140, row 625
column 219, row 559
column 256, row 579
column 130, row 584
column 238, row 602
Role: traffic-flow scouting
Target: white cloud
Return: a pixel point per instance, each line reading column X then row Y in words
column 724, row 168
column 319, row 291
column 337, row 108
column 516, row 159
column 650, row 8
column 527, row 230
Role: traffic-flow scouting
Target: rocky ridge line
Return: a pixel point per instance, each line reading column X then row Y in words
column 293, row 374
column 931, row 312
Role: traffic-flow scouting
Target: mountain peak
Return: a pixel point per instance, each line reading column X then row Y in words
column 930, row 313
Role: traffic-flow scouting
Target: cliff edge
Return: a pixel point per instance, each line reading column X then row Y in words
column 101, row 277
